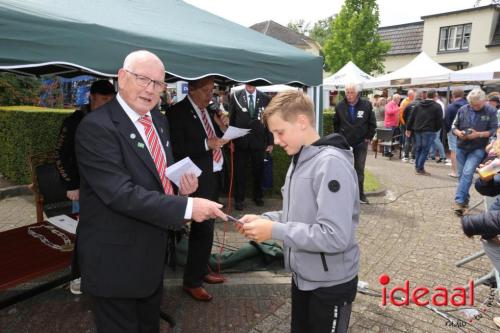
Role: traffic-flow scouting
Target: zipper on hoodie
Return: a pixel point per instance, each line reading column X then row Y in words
column 288, row 208
column 323, row 260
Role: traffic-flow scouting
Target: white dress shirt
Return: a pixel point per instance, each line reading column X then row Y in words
column 134, row 118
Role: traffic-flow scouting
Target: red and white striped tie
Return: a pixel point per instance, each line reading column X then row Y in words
column 217, row 153
column 156, row 153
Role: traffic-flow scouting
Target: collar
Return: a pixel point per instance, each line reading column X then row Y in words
column 134, row 116
column 254, row 94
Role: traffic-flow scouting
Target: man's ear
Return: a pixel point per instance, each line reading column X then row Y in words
column 302, row 120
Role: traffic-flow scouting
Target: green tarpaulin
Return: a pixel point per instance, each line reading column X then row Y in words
column 90, row 36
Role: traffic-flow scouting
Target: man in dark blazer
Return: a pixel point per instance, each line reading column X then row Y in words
column 245, row 108
column 127, row 202
column 195, row 133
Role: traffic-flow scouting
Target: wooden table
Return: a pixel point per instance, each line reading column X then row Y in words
column 24, row 258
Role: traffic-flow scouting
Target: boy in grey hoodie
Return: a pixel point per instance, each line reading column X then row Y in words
column 319, row 218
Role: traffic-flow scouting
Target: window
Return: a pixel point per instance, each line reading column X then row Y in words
column 454, row 38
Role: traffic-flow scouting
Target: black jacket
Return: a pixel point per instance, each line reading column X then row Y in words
column 364, row 124
column 259, row 136
column 65, row 156
column 427, row 116
column 486, row 224
column 188, row 140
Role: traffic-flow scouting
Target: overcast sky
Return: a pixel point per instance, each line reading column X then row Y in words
column 248, row 12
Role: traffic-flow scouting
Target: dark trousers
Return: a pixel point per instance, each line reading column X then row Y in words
column 241, row 157
column 201, row 237
column 123, row 315
column 312, row 315
column 360, row 152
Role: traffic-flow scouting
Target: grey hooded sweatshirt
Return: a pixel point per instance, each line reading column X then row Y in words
column 320, row 215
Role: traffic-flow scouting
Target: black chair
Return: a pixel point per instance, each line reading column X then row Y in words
column 50, row 193
column 388, row 137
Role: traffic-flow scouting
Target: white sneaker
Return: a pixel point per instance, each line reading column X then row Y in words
column 74, row 286
column 412, row 161
column 405, row 159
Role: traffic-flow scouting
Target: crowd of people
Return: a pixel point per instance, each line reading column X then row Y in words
column 113, row 156
column 422, row 119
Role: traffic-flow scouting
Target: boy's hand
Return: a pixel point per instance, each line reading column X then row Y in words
column 249, row 218
column 258, row 230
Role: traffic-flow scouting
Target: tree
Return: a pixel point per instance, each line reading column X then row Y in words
column 354, row 37
column 322, row 30
column 299, row 26
column 18, row 90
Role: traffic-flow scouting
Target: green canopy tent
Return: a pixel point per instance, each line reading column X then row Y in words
column 69, row 38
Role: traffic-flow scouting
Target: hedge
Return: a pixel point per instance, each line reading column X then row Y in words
column 25, row 131
column 29, row 130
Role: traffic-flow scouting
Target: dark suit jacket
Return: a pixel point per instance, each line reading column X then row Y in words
column 188, row 140
column 239, row 116
column 124, row 216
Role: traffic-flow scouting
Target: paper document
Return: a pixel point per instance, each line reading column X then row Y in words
column 64, row 222
column 176, row 170
column 235, row 132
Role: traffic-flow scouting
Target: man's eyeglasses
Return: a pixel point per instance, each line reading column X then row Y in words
column 144, row 81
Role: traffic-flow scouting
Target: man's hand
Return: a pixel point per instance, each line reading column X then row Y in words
column 204, row 209
column 215, row 143
column 73, row 194
column 222, row 121
column 269, row 149
column 460, row 134
column 258, row 230
column 245, row 219
column 189, row 184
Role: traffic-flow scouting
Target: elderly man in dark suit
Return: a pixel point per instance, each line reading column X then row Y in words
column 127, row 202
column 245, row 108
column 196, row 133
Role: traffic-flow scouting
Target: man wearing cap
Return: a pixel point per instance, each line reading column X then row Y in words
column 101, row 92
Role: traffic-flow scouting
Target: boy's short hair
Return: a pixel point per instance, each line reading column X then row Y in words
column 289, row 104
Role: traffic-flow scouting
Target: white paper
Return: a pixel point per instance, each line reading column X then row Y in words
column 64, row 222
column 176, row 170
column 235, row 132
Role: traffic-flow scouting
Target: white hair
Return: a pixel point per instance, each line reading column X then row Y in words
column 135, row 56
column 476, row 95
column 352, row 85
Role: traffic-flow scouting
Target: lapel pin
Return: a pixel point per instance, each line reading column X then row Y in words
column 140, row 145
column 161, row 130
column 244, row 110
column 132, row 135
column 167, row 143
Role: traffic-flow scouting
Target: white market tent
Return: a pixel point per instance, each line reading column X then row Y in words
column 350, row 73
column 420, row 71
column 485, row 72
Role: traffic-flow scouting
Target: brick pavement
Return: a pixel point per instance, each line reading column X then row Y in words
column 416, row 237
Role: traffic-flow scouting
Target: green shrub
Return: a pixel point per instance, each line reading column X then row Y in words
column 25, row 131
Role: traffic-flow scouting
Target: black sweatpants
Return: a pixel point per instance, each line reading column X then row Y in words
column 313, row 312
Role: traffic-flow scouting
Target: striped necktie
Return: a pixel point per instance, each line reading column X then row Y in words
column 156, row 153
column 217, row 153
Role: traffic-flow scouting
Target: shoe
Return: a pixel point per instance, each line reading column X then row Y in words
column 452, row 175
column 422, row 173
column 238, row 205
column 259, row 202
column 460, row 208
column 405, row 160
column 199, row 293
column 364, row 200
column 212, row 278
column 74, row 286
column 388, row 154
column 412, row 161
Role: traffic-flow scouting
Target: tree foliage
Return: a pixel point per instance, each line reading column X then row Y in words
column 354, row 37
column 299, row 26
column 322, row 30
column 18, row 90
